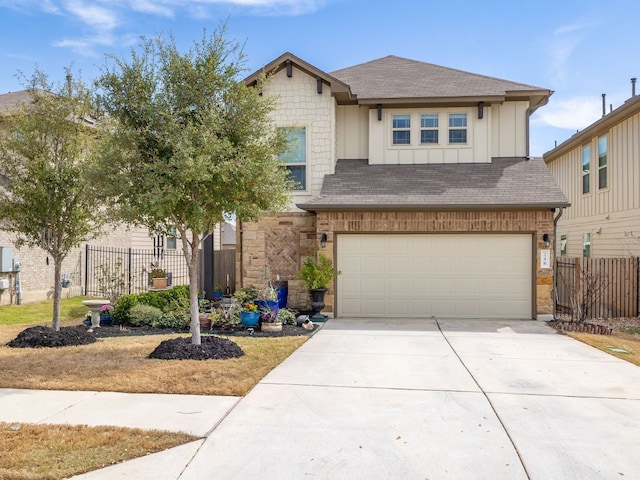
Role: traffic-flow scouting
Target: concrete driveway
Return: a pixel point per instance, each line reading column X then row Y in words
column 427, row 399
column 400, row 399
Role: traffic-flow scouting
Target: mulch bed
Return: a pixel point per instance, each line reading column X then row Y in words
column 599, row 326
column 43, row 337
column 580, row 327
column 212, row 347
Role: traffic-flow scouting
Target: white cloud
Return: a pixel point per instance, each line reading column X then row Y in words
column 101, row 18
column 572, row 113
column 564, row 41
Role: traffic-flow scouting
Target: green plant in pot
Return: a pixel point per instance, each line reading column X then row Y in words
column 316, row 275
column 158, row 278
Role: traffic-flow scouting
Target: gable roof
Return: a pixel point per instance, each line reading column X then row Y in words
column 505, row 183
column 340, row 89
column 397, row 79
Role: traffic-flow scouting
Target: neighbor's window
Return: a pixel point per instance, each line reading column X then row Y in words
column 171, row 241
column 295, row 158
column 586, row 245
column 563, row 244
column 586, row 168
column 429, row 128
column 457, row 128
column 401, row 129
column 602, row 162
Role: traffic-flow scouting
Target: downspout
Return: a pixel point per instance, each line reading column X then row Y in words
column 555, row 243
column 530, row 111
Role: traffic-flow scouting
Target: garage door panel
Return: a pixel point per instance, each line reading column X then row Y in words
column 446, row 275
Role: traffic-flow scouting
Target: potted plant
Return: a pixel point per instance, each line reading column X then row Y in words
column 159, row 278
column 269, row 321
column 204, row 315
column 249, row 314
column 316, row 276
column 217, row 292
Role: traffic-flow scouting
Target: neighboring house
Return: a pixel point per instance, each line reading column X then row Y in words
column 36, row 267
column 415, row 181
column 599, row 170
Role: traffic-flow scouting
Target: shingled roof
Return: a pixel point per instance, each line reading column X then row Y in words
column 10, row 102
column 505, row 183
column 398, row 78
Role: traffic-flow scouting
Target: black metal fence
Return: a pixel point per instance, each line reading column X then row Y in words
column 110, row 272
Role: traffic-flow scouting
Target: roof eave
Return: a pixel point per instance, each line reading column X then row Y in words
column 626, row 110
column 337, row 86
column 320, row 207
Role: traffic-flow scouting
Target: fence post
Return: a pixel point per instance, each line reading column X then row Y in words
column 86, row 268
column 129, row 269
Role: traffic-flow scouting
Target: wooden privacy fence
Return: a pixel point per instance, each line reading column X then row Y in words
column 588, row 288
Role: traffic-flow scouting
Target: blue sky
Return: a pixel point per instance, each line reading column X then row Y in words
column 579, row 49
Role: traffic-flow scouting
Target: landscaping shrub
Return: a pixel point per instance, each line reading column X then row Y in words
column 173, row 320
column 141, row 314
column 166, row 299
column 122, row 307
column 175, row 300
column 286, row 316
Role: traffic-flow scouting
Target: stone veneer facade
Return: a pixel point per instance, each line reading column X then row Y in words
column 257, row 241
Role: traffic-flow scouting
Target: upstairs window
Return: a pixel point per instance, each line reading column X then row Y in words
column 602, row 162
column 457, row 128
column 429, row 128
column 586, row 168
column 402, row 129
column 295, row 158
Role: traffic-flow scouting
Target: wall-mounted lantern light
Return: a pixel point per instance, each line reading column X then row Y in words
column 545, row 239
column 323, row 240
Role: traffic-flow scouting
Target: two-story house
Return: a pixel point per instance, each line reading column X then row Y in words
column 599, row 171
column 415, row 181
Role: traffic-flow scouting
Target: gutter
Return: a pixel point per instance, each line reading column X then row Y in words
column 530, row 111
column 555, row 255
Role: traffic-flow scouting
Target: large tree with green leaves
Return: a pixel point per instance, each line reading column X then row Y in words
column 46, row 148
column 189, row 142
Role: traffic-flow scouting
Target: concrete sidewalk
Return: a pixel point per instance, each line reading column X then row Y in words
column 394, row 399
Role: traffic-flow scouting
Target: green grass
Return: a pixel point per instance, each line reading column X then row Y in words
column 42, row 312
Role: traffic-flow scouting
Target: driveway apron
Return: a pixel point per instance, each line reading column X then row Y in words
column 433, row 399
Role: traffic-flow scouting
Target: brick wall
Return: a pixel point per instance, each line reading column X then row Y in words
column 299, row 236
column 36, row 276
column 276, row 242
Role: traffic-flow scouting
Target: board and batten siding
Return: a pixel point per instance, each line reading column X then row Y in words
column 502, row 132
column 611, row 215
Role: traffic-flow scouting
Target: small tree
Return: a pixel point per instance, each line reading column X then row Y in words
column 45, row 151
column 189, row 142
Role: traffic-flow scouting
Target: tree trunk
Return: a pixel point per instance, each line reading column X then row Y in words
column 57, row 292
column 191, row 252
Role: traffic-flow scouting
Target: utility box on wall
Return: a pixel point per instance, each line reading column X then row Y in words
column 6, row 259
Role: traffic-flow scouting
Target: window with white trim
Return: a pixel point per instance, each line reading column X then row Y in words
column 429, row 128
column 171, row 241
column 457, row 128
column 586, row 168
column 295, row 158
column 586, row 245
column 401, row 129
column 602, row 162
column 563, row 245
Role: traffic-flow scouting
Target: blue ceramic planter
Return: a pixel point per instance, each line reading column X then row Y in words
column 249, row 319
